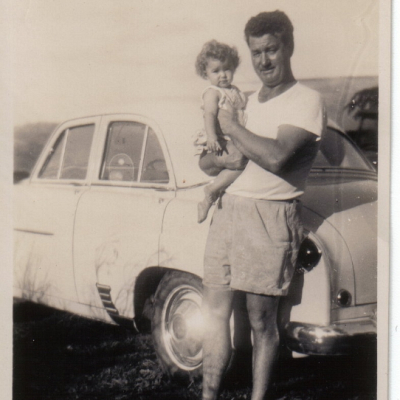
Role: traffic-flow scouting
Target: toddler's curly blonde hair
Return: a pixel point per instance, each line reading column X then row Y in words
column 217, row 51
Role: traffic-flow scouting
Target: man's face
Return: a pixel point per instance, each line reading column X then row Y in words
column 271, row 59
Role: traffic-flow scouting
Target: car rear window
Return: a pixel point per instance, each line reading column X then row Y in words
column 337, row 151
column 133, row 154
column 123, row 151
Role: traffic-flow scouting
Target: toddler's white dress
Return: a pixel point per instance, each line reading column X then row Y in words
column 236, row 99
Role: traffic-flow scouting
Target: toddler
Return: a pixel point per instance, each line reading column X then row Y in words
column 217, row 63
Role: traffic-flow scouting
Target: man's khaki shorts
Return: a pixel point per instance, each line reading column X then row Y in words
column 252, row 245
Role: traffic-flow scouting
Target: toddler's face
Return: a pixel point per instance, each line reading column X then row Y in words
column 219, row 73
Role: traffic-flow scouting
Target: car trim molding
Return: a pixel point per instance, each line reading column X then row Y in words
column 105, row 296
column 34, row 232
column 348, row 173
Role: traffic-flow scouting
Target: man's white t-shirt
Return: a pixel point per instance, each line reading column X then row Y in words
column 299, row 106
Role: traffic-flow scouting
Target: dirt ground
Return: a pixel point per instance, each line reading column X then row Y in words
column 59, row 356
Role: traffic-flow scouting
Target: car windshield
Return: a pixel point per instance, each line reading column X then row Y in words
column 337, row 151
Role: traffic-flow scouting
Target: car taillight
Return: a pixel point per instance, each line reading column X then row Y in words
column 309, row 256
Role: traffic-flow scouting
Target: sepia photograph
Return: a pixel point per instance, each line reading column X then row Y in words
column 200, row 199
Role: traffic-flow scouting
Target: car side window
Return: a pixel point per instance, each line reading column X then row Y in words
column 69, row 157
column 123, row 151
column 154, row 165
column 52, row 164
column 77, row 151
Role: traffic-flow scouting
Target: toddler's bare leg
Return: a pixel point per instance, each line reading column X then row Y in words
column 222, row 181
column 209, row 163
column 231, row 158
column 214, row 190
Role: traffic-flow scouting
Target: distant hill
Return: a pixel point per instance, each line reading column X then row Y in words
column 29, row 139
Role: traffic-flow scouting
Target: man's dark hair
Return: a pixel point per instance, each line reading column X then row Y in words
column 276, row 23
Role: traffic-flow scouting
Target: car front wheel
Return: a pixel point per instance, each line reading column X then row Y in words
column 177, row 324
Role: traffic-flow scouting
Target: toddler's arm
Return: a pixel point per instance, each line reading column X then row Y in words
column 211, row 124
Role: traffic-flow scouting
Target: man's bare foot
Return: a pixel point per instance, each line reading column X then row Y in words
column 204, row 206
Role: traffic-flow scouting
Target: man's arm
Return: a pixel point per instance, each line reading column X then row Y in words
column 270, row 154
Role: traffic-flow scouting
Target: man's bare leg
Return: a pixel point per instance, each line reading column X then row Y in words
column 263, row 312
column 217, row 309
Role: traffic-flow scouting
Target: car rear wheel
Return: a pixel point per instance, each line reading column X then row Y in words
column 177, row 324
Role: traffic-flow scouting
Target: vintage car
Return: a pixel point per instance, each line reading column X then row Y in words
column 363, row 107
column 106, row 227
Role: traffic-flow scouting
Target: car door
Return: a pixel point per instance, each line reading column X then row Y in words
column 118, row 221
column 44, row 215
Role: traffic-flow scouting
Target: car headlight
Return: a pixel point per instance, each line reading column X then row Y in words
column 309, row 256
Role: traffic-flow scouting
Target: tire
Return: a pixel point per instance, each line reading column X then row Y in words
column 177, row 325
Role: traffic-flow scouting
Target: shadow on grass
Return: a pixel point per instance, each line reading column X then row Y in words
column 61, row 356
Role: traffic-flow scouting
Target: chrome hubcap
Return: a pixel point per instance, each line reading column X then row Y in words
column 182, row 327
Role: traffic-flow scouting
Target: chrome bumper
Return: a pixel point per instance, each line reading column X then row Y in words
column 338, row 339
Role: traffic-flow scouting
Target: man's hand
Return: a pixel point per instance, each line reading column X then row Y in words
column 214, row 145
column 231, row 158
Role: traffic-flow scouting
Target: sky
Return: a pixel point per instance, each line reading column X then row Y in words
column 73, row 58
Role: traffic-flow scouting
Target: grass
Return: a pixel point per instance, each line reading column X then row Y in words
column 61, row 356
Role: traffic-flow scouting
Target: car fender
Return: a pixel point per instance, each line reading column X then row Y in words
column 312, row 293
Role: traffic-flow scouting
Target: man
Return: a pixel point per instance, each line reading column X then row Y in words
column 256, row 229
